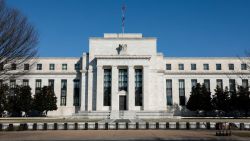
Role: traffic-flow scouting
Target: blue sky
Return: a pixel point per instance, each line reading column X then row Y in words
column 188, row 28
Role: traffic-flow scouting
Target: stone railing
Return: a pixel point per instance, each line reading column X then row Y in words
column 119, row 126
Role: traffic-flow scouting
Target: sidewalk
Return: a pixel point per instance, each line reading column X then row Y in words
column 116, row 135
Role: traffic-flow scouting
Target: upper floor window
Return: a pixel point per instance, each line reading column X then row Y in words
column 231, row 66
column 218, row 66
column 244, row 66
column 39, row 67
column 181, row 66
column 77, row 66
column 26, row 67
column 64, row 66
column 51, row 66
column 206, row 66
column 193, row 66
column 168, row 67
column 13, row 66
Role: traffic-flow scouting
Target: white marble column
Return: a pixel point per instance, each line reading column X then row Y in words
column 99, row 88
column 90, row 88
column 114, row 91
column 83, row 91
column 146, row 95
column 131, row 88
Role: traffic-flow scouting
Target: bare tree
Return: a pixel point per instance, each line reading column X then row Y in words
column 18, row 40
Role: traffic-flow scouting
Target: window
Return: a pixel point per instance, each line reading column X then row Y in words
column 52, row 83
column 39, row 67
column 244, row 83
column 12, row 84
column 77, row 66
column 25, row 82
column 206, row 66
column 26, row 67
column 107, row 87
column 76, row 92
column 169, row 92
column 219, row 83
column 63, row 92
column 13, row 66
column 51, row 66
column 231, row 66
column 218, row 66
column 207, row 84
column 38, row 86
column 193, row 66
column 244, row 66
column 182, row 92
column 138, row 87
column 193, row 82
column 168, row 67
column 1, row 66
column 181, row 66
column 232, row 86
column 64, row 66
column 123, row 79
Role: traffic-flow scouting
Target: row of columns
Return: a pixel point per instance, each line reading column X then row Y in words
column 114, row 89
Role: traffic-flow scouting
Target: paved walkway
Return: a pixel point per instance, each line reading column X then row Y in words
column 115, row 135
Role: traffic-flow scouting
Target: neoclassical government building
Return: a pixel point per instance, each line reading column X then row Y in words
column 123, row 76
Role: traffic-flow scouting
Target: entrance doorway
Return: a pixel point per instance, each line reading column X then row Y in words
column 122, row 103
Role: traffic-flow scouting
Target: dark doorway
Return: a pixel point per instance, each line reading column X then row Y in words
column 122, row 103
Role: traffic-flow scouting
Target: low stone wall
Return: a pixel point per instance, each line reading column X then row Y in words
column 119, row 126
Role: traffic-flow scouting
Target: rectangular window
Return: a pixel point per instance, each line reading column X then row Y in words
column 38, row 86
column 123, row 79
column 26, row 66
column 218, row 66
column 244, row 83
column 25, row 82
column 64, row 66
column 181, row 66
column 169, row 92
column 51, row 66
column 63, row 92
column 193, row 82
column 206, row 66
column 107, row 87
column 231, row 66
column 168, row 67
column 77, row 66
column 52, row 83
column 193, row 66
column 232, row 86
column 12, row 83
column 39, row 67
column 219, row 83
column 13, row 66
column 182, row 92
column 138, row 87
column 207, row 84
column 76, row 92
column 244, row 66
